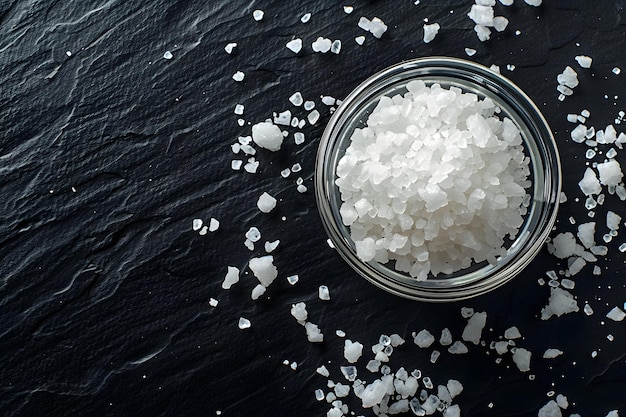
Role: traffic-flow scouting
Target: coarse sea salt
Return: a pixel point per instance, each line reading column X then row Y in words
column 430, row 31
column 294, row 45
column 427, row 197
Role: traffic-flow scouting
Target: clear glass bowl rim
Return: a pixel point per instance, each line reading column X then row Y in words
column 538, row 131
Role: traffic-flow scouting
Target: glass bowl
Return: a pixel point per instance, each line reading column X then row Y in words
column 538, row 143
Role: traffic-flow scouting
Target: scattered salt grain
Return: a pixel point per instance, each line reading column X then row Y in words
column 313, row 333
column 244, row 323
column 168, row 55
column 263, row 269
column 214, row 224
column 323, row 371
column 299, row 312
column 551, row 409
column 296, row 99
column 584, row 61
column 535, row 3
column 203, row 231
column 196, row 224
column 512, row 333
column 375, row 26
column 257, row 291
column 231, row 278
column 313, row 117
column 335, row 47
column 321, row 44
column 258, row 15
column 360, row 40
column 239, row 108
column 610, row 173
column 616, row 70
column 521, row 357
column 470, row 51
column 266, row 203
column 423, row 339
column 294, row 45
column 230, row 47
column 213, row 302
column 481, row 15
column 616, row 314
column 500, row 23
column 352, row 351
column 253, row 234
column 430, row 31
column 473, row 330
column 568, row 77
column 305, row 17
column 482, row 32
column 560, row 302
column 590, row 185
column 340, row 333
column 458, row 348
column 239, row 76
column 323, row 293
column 301, row 188
column 552, row 353
column 348, row 9
column 298, row 138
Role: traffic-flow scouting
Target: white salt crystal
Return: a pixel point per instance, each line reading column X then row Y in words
column 239, row 109
column 562, row 245
column 335, row 47
column 313, row 117
column 239, row 76
column 454, row 387
column 301, row 188
column 323, row 293
column 214, row 224
column 248, row 244
column 424, row 339
column 584, row 61
column 572, row 118
column 481, row 15
column 373, row 366
column 350, row 373
column 340, row 333
column 352, row 351
column 263, row 269
column 313, row 333
column 196, row 224
column 452, row 411
column 213, row 302
column 323, row 371
column 296, row 167
column 568, row 77
column 612, row 220
column 446, row 337
column 610, row 172
column 521, row 357
column 360, row 40
column 552, row 353
column 299, row 312
column 430, row 31
column 377, row 27
column 470, row 51
column 296, row 99
column 560, row 302
column 258, row 15
column 482, row 32
column 348, row 9
column 305, row 17
column 309, row 105
column 283, row 118
column 257, row 291
column 373, row 393
column 551, row 409
column 561, row 400
column 612, row 413
column 328, row 100
column 271, row 246
column 230, row 47
column 474, row 327
column 458, row 348
column 203, row 231
column 266, row 203
column 244, row 323
column 500, row 23
column 267, row 135
column 616, row 70
column 576, row 266
column 294, row 45
column 512, row 333
column 590, row 185
column 535, row 3
column 298, row 138
column 501, row 347
column 616, row 314
column 168, row 55
column 321, row 44
column 253, row 234
column 231, row 278
column 578, row 133
column 506, row 2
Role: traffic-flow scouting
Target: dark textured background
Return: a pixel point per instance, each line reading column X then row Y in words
column 104, row 290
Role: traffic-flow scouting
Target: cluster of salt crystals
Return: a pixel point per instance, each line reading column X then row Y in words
column 198, row 226
column 390, row 392
column 482, row 14
column 567, row 81
column 435, row 181
column 520, row 356
column 313, row 332
column 430, row 31
column 375, row 26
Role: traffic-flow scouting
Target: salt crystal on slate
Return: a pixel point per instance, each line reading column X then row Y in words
column 535, row 3
column 506, row 2
column 500, row 23
column 196, row 224
column 313, row 117
column 521, row 357
column 335, row 47
column 257, row 291
column 323, row 293
column 424, row 338
column 560, row 302
column 231, row 278
column 309, row 105
column 266, row 203
column 377, row 27
column 292, row 279
column 584, row 61
column 258, row 15
column 305, row 17
column 244, row 323
column 616, row 70
column 239, row 76
column 263, row 269
column 562, row 245
column 296, row 99
column 616, row 314
column 230, row 47
column 458, row 348
column 321, row 44
column 430, row 31
column 253, row 234
column 610, row 173
column 360, row 40
column 213, row 302
column 299, row 312
column 214, row 224
column 473, row 330
column 323, row 371
column 481, row 15
column 239, row 109
column 552, row 353
column 348, row 9
column 203, row 231
column 313, row 333
column 470, row 51
column 168, row 55
column 295, row 45
column 512, row 333
column 551, row 409
column 352, row 351
column 590, row 185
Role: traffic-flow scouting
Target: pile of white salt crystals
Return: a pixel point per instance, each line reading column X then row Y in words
column 435, row 181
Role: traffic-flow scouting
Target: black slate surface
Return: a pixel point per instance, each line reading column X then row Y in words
column 107, row 154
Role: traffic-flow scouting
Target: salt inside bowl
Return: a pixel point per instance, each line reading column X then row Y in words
column 437, row 179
